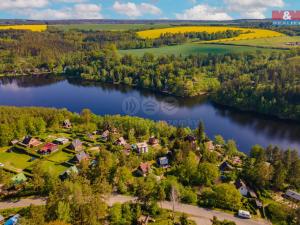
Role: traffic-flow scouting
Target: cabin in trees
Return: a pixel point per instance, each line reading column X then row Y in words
column 153, row 141
column 79, row 157
column 76, row 145
column 121, row 141
column 61, row 141
column 48, row 148
column 141, row 148
column 144, row 169
column 242, row 187
column 226, row 167
column 67, row 124
column 163, row 162
column 293, row 195
column 18, row 179
column 31, row 142
column 68, row 172
column 210, row 146
column 105, row 135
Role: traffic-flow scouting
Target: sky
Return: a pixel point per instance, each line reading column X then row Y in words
column 143, row 9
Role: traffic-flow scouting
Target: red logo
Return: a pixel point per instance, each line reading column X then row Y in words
column 286, row 15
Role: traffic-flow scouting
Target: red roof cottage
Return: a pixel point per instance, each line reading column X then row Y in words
column 48, row 148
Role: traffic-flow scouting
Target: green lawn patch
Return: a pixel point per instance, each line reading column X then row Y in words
column 53, row 168
column 195, row 49
column 60, row 156
column 15, row 160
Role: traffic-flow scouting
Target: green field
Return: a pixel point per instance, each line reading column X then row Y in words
column 116, row 27
column 53, row 168
column 15, row 160
column 275, row 42
column 60, row 157
column 193, row 48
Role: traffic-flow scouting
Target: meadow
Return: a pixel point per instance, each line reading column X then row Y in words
column 108, row 27
column 195, row 49
column 275, row 42
column 35, row 28
column 247, row 33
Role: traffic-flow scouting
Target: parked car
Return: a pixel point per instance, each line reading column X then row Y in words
column 1, row 164
column 244, row 214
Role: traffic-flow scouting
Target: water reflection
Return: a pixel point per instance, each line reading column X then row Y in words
column 244, row 127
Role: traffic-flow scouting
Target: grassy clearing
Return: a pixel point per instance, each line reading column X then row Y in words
column 194, row 49
column 60, row 157
column 116, row 27
column 15, row 160
column 37, row 28
column 275, row 42
column 53, row 168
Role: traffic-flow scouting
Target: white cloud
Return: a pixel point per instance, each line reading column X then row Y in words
column 22, row 4
column 134, row 10
column 79, row 11
column 203, row 12
column 70, row 1
column 252, row 8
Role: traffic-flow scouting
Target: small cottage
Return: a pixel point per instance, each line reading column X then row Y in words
column 105, row 135
column 61, row 141
column 293, row 195
column 31, row 142
column 163, row 162
column 153, row 141
column 48, row 148
column 226, row 167
column 82, row 156
column 142, row 147
column 241, row 186
column 68, row 172
column 144, row 169
column 121, row 141
column 76, row 145
column 67, row 124
column 210, row 146
column 18, row 179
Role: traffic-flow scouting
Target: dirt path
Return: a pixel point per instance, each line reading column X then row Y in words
column 201, row 216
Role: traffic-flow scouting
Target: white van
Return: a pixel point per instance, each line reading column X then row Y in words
column 244, row 214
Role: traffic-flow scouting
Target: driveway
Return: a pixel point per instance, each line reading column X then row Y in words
column 201, row 216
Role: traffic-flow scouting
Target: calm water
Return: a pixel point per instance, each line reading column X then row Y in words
column 246, row 128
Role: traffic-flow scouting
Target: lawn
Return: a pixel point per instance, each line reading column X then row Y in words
column 116, row 27
column 15, row 160
column 275, row 42
column 194, row 48
column 53, row 168
column 60, row 156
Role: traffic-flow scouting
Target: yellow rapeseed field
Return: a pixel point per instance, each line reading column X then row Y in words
column 37, row 28
column 247, row 33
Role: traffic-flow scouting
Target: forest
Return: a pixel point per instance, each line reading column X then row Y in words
column 262, row 82
column 80, row 199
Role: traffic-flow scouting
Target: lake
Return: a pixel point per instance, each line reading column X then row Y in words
column 247, row 129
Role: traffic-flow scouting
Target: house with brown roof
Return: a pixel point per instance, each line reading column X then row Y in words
column 31, row 142
column 105, row 135
column 48, row 148
column 121, row 141
column 144, row 169
column 153, row 141
column 76, row 145
column 210, row 146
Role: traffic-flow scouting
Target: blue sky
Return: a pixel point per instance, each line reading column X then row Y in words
column 143, row 9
